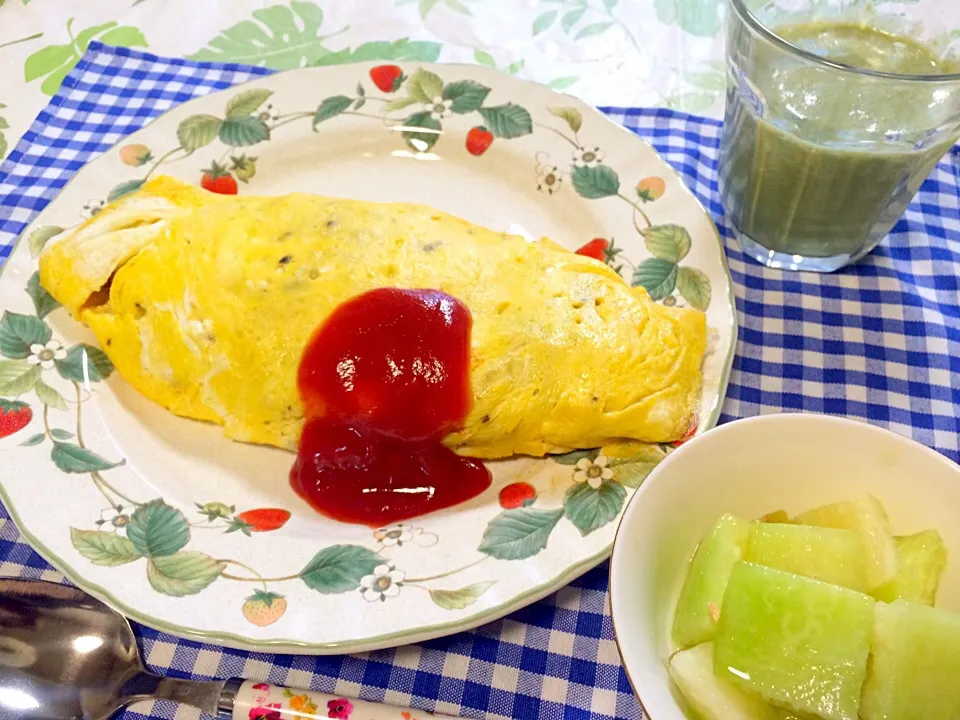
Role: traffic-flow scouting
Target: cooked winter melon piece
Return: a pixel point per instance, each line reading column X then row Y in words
column 827, row 554
column 695, row 619
column 797, row 642
column 777, row 516
column 866, row 515
column 914, row 664
column 922, row 560
column 709, row 696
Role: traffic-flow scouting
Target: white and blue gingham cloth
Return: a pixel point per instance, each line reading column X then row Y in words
column 879, row 341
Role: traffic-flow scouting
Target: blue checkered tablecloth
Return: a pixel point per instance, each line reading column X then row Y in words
column 879, row 341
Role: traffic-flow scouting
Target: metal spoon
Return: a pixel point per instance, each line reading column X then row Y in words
column 66, row 656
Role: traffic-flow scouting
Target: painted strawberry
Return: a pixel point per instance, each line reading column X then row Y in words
column 135, row 154
column 264, row 608
column 260, row 520
column 478, row 140
column 243, row 167
column 595, row 249
column 515, row 495
column 691, row 431
column 388, row 78
column 218, row 179
column 651, row 188
column 14, row 416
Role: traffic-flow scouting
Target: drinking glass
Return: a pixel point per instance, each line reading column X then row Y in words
column 835, row 114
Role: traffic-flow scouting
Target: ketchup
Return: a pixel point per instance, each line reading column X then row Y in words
column 382, row 381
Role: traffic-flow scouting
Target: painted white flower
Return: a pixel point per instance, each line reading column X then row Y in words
column 592, row 472
column 394, row 534
column 45, row 355
column 270, row 112
column 549, row 179
column 439, row 108
column 587, row 156
column 385, row 582
column 91, row 208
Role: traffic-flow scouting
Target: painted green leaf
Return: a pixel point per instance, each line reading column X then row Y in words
column 4, row 125
column 278, row 37
column 157, row 529
column 33, row 440
column 458, row 6
column 103, row 548
column 339, row 568
column 667, row 242
column 694, row 285
column 43, row 301
column 243, row 130
column 40, row 236
column 399, row 104
column 45, row 61
column 571, row 18
column 633, row 472
column 519, row 534
column 56, row 61
column 658, row 276
column 124, row 188
column 421, row 140
column 17, row 377
column 562, row 83
column 49, row 396
column 691, row 101
column 197, row 131
column 595, row 182
column 424, row 86
column 331, row 107
column 247, row 102
column 716, row 81
column 459, row 599
column 18, row 332
column 3, row 146
column 125, row 36
column 515, row 67
column 467, row 95
column 588, row 508
column 402, row 49
column 593, row 29
column 73, row 459
column 183, row 573
column 570, row 115
column 610, row 4
column 425, row 6
column 482, row 57
column 572, row 458
column 61, row 434
column 507, row 121
column 697, row 17
column 83, row 363
column 543, row 22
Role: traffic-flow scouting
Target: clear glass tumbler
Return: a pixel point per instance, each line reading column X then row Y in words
column 836, row 112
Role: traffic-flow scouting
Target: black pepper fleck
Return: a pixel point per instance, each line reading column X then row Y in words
column 285, row 259
column 485, row 419
column 109, row 342
column 331, row 223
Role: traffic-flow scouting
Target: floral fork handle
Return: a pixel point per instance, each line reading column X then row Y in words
column 262, row 701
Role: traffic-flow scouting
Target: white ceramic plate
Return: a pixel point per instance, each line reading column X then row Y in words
column 148, row 511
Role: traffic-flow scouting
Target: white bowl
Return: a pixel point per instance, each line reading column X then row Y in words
column 749, row 468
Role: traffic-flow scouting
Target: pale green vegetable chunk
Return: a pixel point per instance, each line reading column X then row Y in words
column 698, row 609
column 827, row 554
column 709, row 696
column 914, row 665
column 922, row 560
column 799, row 643
column 866, row 515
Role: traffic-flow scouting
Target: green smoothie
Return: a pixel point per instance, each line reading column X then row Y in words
column 820, row 162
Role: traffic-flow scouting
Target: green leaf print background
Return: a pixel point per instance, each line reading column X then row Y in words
column 616, row 52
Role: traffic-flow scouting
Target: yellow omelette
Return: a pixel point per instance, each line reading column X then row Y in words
column 205, row 303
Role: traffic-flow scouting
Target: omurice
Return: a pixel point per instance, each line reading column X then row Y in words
column 206, row 303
